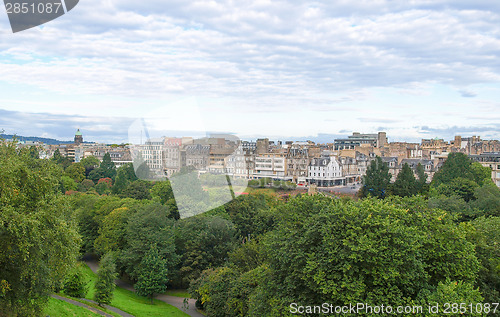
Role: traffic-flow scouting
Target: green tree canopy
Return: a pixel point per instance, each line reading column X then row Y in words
column 107, row 166
column 67, row 184
column 370, row 251
column 205, row 242
column 76, row 171
column 38, row 240
column 459, row 186
column 90, row 163
column 486, row 237
column 163, row 191
column 482, row 174
column 458, row 165
column 148, row 225
column 487, row 200
column 138, row 189
column 61, row 160
column 124, row 176
column 85, row 185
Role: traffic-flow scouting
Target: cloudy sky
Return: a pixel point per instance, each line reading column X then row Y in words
column 284, row 69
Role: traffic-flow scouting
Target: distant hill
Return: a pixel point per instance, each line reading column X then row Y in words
column 34, row 139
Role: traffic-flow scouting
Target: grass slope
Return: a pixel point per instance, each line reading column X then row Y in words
column 129, row 302
column 59, row 308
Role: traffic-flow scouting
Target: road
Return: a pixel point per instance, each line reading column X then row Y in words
column 351, row 190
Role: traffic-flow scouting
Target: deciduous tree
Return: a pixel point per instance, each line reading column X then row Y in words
column 38, row 240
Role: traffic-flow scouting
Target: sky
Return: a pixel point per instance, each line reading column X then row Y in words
column 288, row 70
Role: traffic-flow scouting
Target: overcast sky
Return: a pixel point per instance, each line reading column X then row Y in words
column 283, row 69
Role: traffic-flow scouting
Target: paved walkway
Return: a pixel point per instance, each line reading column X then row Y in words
column 113, row 309
column 172, row 300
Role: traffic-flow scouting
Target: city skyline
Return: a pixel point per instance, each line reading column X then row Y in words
column 278, row 70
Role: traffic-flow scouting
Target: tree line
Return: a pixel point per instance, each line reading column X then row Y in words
column 406, row 243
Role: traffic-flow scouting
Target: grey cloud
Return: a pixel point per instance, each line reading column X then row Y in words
column 63, row 127
column 278, row 55
column 467, row 93
column 277, row 48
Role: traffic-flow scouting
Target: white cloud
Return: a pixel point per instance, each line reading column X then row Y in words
column 264, row 56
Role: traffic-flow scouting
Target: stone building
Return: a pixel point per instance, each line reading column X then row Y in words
column 325, row 171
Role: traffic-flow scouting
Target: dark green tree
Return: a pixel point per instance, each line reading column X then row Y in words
column 148, row 225
column 252, row 214
column 85, row 185
column 204, row 242
column 138, row 189
column 107, row 166
column 422, row 186
column 456, row 165
column 163, row 191
column 60, row 159
column 487, row 200
column 75, row 284
column 459, row 186
column 90, row 163
column 405, row 184
column 106, row 184
column 124, row 176
column 105, row 283
column 76, row 171
column 152, row 274
column 377, row 179
column 454, row 204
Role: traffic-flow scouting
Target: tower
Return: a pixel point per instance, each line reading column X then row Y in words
column 78, row 138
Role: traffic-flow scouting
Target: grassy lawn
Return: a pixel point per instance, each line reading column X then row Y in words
column 59, row 308
column 178, row 293
column 129, row 302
